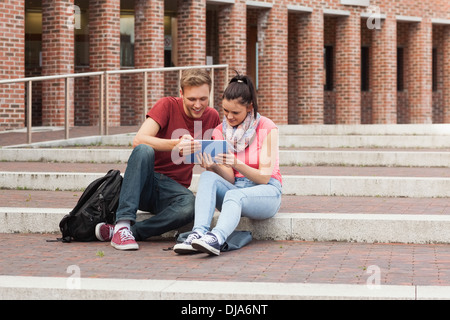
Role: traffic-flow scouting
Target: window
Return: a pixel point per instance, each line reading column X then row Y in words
column 365, row 68
column 169, row 38
column 328, row 67
column 33, row 35
column 127, row 38
column 82, row 35
column 400, row 68
column 434, row 70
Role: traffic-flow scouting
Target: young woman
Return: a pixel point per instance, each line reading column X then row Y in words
column 246, row 181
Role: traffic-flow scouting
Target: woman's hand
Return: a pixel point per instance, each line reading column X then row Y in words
column 224, row 170
column 205, row 161
column 227, row 159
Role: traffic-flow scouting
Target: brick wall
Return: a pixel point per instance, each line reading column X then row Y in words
column 290, row 59
column 12, row 63
column 149, row 52
column 232, row 43
column 310, row 66
column 57, row 58
column 273, row 62
column 420, row 76
column 191, row 15
column 104, row 54
column 383, row 72
column 348, row 69
column 446, row 75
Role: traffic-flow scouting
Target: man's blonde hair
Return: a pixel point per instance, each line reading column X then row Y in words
column 195, row 78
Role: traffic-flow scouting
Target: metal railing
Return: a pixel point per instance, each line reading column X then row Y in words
column 103, row 91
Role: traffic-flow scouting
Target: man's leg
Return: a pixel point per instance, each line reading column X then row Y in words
column 174, row 208
column 137, row 188
column 138, row 177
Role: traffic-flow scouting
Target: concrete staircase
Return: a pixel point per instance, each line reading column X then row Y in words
column 375, row 161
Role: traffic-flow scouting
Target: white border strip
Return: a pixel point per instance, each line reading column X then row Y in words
column 298, row 8
column 259, row 4
column 19, row 288
column 337, row 13
column 408, row 19
column 440, row 21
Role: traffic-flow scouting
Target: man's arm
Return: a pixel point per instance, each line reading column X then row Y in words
column 147, row 135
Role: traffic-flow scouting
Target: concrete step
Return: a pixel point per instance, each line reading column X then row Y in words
column 292, row 184
column 361, row 141
column 343, row 157
column 285, row 140
column 328, row 136
column 357, row 136
column 354, row 227
column 372, row 129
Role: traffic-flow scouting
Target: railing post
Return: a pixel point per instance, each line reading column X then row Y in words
column 101, row 102
column 66, row 108
column 180, row 73
column 226, row 78
column 106, row 103
column 211, row 94
column 29, row 110
column 145, row 96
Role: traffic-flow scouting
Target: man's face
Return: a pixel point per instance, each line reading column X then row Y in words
column 195, row 100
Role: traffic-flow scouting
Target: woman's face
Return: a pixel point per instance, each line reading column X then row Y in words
column 234, row 112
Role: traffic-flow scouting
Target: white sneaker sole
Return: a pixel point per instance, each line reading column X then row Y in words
column 204, row 247
column 131, row 246
column 97, row 232
column 182, row 248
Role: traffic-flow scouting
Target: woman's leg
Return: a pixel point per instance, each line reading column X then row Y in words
column 257, row 202
column 210, row 194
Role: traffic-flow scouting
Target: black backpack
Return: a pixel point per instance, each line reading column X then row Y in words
column 98, row 203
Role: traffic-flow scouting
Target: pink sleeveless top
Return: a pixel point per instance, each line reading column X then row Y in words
column 251, row 155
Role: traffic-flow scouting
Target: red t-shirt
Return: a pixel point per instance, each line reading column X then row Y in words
column 174, row 123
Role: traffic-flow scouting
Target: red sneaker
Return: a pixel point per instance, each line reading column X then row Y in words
column 123, row 239
column 104, row 232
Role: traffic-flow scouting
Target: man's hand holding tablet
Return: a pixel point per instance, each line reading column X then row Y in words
column 207, row 150
column 187, row 145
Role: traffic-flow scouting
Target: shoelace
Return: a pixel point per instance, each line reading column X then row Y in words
column 125, row 234
column 209, row 238
column 191, row 237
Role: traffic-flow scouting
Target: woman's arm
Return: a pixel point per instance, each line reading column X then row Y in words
column 267, row 160
column 223, row 170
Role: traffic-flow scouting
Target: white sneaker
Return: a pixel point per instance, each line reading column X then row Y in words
column 186, row 247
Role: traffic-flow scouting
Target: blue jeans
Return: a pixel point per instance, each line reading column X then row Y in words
column 243, row 198
column 147, row 190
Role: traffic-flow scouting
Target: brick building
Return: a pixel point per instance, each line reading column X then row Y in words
column 314, row 62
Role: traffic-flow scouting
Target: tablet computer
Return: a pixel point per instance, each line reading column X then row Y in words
column 212, row 147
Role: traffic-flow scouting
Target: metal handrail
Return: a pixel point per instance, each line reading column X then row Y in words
column 104, row 94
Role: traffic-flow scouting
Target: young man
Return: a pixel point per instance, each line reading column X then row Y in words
column 153, row 181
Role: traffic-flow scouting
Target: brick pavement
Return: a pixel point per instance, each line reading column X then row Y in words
column 260, row 261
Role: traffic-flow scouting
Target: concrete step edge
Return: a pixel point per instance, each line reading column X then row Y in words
column 292, row 184
column 421, row 158
column 27, row 287
column 353, row 227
